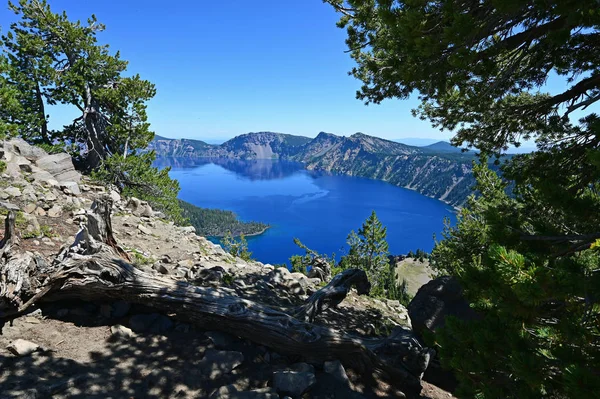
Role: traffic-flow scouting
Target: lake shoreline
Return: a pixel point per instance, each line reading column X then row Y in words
column 258, row 233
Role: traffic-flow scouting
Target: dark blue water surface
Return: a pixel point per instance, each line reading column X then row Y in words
column 319, row 209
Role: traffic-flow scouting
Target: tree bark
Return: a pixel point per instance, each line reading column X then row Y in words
column 10, row 238
column 42, row 114
column 91, row 269
column 333, row 293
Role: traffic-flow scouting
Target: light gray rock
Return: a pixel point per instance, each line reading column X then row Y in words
column 139, row 208
column 48, row 242
column 114, row 196
column 13, row 191
column 51, row 183
column 21, row 347
column 40, row 211
column 144, row 229
column 55, row 211
column 188, row 229
column 72, row 186
column 41, row 176
column 336, row 369
column 146, row 211
column 159, row 267
column 27, row 150
column 218, row 363
column 50, row 197
column 122, row 331
column 60, row 166
column 32, row 222
column 293, row 383
column 301, row 367
column 8, row 206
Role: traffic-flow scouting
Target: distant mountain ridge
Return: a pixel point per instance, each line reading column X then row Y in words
column 442, row 146
column 436, row 171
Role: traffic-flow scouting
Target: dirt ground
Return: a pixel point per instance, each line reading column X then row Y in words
column 80, row 358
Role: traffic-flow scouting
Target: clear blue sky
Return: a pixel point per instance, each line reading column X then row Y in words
column 224, row 68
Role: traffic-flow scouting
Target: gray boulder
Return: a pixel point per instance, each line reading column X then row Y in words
column 144, row 229
column 336, row 369
column 26, row 150
column 293, row 383
column 436, row 300
column 72, row 186
column 60, row 166
column 121, row 331
column 55, row 211
column 21, row 347
column 13, row 191
column 8, row 206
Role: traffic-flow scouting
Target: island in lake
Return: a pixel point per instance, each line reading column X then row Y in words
column 218, row 222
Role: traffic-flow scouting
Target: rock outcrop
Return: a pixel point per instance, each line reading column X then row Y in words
column 436, row 300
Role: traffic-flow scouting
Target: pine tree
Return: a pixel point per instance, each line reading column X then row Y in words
column 528, row 261
column 49, row 59
column 369, row 251
column 236, row 246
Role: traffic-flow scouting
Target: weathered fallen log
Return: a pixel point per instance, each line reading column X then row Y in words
column 91, row 270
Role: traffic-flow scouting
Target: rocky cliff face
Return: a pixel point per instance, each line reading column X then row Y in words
column 442, row 175
column 261, row 145
column 178, row 148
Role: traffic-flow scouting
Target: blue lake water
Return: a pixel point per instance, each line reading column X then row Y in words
column 320, row 209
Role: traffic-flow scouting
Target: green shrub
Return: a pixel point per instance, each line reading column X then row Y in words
column 236, row 246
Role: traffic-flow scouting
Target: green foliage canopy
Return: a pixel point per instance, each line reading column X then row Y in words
column 369, row 251
column 236, row 246
column 527, row 262
column 47, row 59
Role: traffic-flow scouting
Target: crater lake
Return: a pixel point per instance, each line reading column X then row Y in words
column 318, row 208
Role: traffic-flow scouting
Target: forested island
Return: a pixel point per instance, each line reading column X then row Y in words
column 219, row 222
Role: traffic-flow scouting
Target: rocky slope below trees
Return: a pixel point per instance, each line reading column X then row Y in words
column 95, row 337
column 442, row 175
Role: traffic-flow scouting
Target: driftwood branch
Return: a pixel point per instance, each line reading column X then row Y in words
column 91, row 269
column 333, row 293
